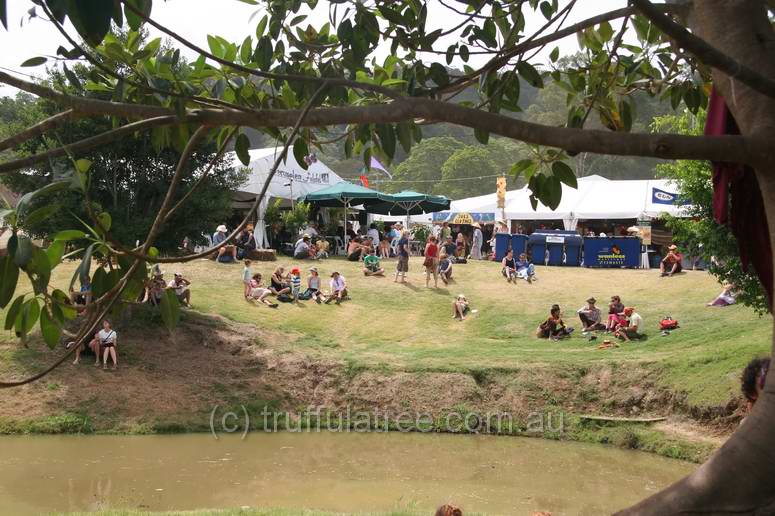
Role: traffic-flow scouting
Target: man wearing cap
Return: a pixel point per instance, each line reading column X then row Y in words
column 180, row 285
column 476, row 242
column 634, row 324
column 671, row 263
column 219, row 237
column 590, row 316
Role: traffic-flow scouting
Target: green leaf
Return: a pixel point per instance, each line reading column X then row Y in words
column 13, row 312
column 50, row 329
column 439, row 74
column 564, row 173
column 387, row 138
column 464, row 53
column 39, row 270
column 69, row 234
column 263, row 53
column 170, row 309
column 530, row 74
column 547, row 10
column 551, row 191
column 300, row 151
column 450, row 54
column 555, row 54
column 261, row 27
column 605, row 31
column 520, row 166
column 41, row 214
column 215, row 46
column 404, row 130
column 246, row 50
column 242, row 147
column 30, row 314
column 105, row 220
column 23, row 203
column 23, row 253
column 9, row 276
column 482, row 135
column 55, row 252
column 91, row 18
column 134, row 21
column 34, row 61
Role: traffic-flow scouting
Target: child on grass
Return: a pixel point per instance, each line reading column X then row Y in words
column 246, row 275
column 260, row 293
column 295, row 284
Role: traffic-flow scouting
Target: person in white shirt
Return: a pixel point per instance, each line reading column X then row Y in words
column 634, row 325
column 373, row 233
column 180, row 285
column 338, row 288
column 105, row 339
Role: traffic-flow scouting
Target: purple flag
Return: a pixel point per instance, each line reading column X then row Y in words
column 376, row 164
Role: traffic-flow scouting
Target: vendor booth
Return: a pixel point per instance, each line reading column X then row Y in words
column 612, row 252
column 289, row 182
column 555, row 247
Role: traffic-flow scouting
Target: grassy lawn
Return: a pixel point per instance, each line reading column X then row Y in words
column 409, row 327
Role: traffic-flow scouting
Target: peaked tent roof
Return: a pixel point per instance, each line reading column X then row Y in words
column 341, row 193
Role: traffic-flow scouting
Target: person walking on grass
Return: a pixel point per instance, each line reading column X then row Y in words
column 431, row 262
column 259, row 293
column 338, row 288
column 509, row 269
column 402, row 250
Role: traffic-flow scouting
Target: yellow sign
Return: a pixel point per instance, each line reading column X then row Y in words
column 500, row 189
column 463, row 218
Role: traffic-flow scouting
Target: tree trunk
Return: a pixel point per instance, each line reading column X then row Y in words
column 740, row 477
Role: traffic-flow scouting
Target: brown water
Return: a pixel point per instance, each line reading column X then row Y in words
column 339, row 472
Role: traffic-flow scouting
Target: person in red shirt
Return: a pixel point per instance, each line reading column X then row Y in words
column 671, row 263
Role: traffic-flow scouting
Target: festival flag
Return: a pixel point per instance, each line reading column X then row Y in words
column 379, row 166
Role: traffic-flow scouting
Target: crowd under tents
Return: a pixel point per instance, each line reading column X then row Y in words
column 289, row 182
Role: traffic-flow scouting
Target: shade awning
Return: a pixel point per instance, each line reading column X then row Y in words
column 407, row 202
column 340, row 194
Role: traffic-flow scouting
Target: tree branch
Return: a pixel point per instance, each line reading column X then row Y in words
column 706, row 53
column 36, row 130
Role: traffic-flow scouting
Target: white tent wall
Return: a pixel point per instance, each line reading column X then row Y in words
column 521, row 209
column 290, row 182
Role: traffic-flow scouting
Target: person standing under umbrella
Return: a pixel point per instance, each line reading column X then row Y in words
column 476, row 242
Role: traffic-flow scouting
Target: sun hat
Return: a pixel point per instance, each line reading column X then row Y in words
column 178, row 275
column 633, row 229
column 221, row 229
column 673, row 247
column 313, row 269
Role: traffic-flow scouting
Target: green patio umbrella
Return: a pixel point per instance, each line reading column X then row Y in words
column 407, row 203
column 342, row 194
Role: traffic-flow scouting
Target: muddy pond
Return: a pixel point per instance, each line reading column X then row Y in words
column 348, row 472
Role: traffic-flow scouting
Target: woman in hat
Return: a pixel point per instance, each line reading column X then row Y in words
column 338, row 288
column 671, row 263
column 313, row 286
column 476, row 242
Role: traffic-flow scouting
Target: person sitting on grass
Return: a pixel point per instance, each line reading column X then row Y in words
column 313, row 286
column 105, row 339
column 509, row 269
column 590, row 316
column 431, row 262
column 553, row 327
column 615, row 307
column 180, row 285
column 227, row 253
column 384, row 248
column 301, row 250
column 727, row 297
column 355, row 249
column 84, row 295
column 753, row 378
column 671, row 263
column 445, row 267
column 525, row 269
column 154, row 288
column 633, row 326
column 448, row 510
column 371, row 264
column 338, row 288
column 449, row 246
column 258, row 292
column 278, row 283
column 246, row 276
column 460, row 307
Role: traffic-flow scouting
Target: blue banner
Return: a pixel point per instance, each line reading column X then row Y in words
column 611, row 252
column 662, row 197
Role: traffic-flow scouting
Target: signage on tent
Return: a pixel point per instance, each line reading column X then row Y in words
column 662, row 197
column 611, row 256
column 318, row 178
column 554, row 239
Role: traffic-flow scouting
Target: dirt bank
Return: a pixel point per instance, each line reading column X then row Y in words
column 174, row 383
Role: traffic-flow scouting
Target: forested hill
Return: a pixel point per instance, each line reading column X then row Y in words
column 449, row 161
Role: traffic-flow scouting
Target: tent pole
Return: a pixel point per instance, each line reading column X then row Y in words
column 344, row 227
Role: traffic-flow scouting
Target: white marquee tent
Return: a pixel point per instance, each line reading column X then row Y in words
column 289, row 182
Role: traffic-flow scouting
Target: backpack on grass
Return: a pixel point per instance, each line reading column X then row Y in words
column 668, row 323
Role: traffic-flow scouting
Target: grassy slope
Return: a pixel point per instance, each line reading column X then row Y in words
column 409, row 327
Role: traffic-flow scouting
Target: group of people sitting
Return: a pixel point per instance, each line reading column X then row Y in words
column 306, row 248
column 520, row 268
column 156, row 285
column 287, row 287
column 623, row 322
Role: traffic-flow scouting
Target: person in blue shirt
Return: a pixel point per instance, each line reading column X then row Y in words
column 525, row 269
